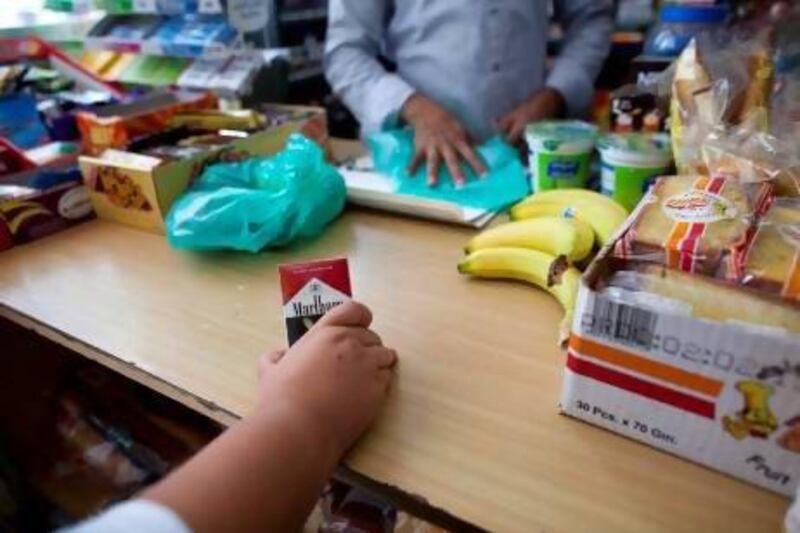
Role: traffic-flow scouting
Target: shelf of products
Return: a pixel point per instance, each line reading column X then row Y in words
column 302, row 15
column 199, row 43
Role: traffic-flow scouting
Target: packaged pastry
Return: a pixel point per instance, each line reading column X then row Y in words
column 675, row 292
column 690, row 223
column 772, row 259
column 718, row 85
column 787, row 184
column 766, row 165
column 691, row 116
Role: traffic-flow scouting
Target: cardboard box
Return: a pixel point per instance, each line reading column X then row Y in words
column 114, row 126
column 138, row 190
column 38, row 212
column 722, row 394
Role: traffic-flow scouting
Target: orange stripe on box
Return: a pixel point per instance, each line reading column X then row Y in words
column 701, row 183
column 648, row 367
column 791, row 288
column 673, row 242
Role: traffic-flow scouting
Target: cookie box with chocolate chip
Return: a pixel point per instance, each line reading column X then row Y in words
column 138, row 185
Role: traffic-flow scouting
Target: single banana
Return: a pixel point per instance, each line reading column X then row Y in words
column 560, row 196
column 603, row 214
column 538, row 268
column 552, row 235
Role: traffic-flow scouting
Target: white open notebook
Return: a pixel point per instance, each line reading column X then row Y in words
column 370, row 189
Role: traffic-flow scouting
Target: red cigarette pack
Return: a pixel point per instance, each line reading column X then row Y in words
column 310, row 290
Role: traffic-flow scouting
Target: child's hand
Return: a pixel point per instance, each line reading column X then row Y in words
column 335, row 377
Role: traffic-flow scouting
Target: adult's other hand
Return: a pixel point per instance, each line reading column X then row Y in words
column 544, row 104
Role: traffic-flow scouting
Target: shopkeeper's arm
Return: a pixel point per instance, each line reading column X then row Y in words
column 569, row 87
column 354, row 36
column 379, row 98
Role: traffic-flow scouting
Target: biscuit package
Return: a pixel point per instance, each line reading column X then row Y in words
column 718, row 85
column 765, row 163
column 771, row 261
column 689, row 223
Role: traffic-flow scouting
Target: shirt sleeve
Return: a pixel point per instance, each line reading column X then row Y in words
column 355, row 33
column 587, row 40
column 791, row 523
column 134, row 516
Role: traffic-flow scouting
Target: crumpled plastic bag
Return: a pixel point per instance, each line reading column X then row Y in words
column 504, row 185
column 259, row 203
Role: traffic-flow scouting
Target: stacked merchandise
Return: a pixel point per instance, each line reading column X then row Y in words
column 141, row 158
column 687, row 326
column 41, row 190
column 221, row 45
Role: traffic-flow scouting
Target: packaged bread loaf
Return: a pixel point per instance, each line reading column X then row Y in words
column 690, row 223
column 766, row 165
column 709, row 299
column 718, row 85
column 771, row 261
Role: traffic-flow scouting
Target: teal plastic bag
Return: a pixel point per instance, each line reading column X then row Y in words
column 259, row 203
column 504, row 185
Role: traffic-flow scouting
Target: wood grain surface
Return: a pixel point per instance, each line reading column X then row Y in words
column 472, row 424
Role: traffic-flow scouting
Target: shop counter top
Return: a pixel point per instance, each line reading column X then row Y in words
column 471, row 426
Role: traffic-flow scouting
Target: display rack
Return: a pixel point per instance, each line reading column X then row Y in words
column 201, row 43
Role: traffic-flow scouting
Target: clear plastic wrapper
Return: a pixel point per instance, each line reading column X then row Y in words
column 677, row 293
column 718, row 84
column 771, row 261
column 689, row 223
column 765, row 164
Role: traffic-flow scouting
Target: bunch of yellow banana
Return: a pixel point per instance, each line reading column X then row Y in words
column 551, row 230
column 603, row 214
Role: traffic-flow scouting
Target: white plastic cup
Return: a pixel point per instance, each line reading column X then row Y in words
column 560, row 153
column 630, row 164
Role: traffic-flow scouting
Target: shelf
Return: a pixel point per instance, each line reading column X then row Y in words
column 303, row 15
column 304, row 73
column 160, row 7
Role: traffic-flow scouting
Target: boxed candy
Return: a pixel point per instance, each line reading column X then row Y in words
column 138, row 185
column 40, row 202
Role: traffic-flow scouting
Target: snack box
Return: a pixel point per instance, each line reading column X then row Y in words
column 40, row 202
column 691, row 223
column 689, row 365
column 122, row 33
column 138, row 190
column 114, row 126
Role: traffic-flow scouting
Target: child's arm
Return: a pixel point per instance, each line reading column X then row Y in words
column 315, row 400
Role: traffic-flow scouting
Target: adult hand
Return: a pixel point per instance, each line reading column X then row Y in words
column 439, row 136
column 545, row 103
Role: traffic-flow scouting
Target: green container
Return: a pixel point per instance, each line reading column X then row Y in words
column 560, row 153
column 630, row 164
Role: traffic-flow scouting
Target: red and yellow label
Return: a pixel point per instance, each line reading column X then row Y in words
column 692, row 212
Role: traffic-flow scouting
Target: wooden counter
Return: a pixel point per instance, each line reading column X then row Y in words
column 472, row 424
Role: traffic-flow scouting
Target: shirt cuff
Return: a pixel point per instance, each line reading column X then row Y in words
column 385, row 100
column 577, row 90
column 133, row 516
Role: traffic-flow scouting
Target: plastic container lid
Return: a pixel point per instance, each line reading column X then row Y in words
column 562, row 136
column 636, row 149
column 681, row 14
